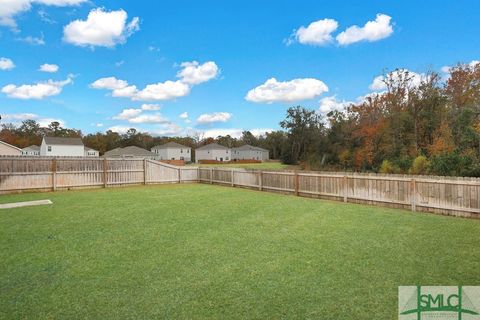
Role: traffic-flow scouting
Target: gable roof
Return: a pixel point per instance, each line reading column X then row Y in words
column 212, row 146
column 32, row 147
column 9, row 145
column 171, row 145
column 129, row 151
column 63, row 141
column 89, row 149
column 249, row 147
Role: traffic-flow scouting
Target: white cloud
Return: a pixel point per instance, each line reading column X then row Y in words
column 471, row 64
column 207, row 118
column 46, row 67
column 39, row 41
column 110, row 83
column 195, row 73
column 183, row 115
column 10, row 8
column 150, row 107
column 148, row 118
column 38, row 91
column 98, row 125
column 102, row 28
column 378, row 83
column 287, row 91
column 6, row 64
column 127, row 114
column 119, row 63
column 328, row 104
column 317, row 33
column 19, row 117
column 375, row 30
column 120, row 129
column 168, row 129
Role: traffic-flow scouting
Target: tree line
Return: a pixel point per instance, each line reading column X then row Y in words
column 420, row 124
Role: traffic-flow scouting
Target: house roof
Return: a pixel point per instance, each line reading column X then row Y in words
column 212, row 146
column 249, row 147
column 129, row 151
column 89, row 149
column 63, row 141
column 9, row 145
column 32, row 147
column 171, row 145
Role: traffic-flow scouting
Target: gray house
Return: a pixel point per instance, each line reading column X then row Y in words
column 213, row 151
column 62, row 147
column 9, row 150
column 130, row 152
column 248, row 152
column 31, row 151
column 173, row 151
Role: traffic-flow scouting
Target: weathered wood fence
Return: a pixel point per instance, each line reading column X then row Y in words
column 444, row 195
column 24, row 173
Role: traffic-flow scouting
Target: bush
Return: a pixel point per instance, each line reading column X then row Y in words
column 388, row 167
column 455, row 164
column 420, row 165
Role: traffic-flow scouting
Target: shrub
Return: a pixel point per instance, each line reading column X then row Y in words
column 388, row 167
column 420, row 165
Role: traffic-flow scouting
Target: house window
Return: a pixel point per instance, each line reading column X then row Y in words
column 188, row 151
column 181, row 150
column 226, row 158
column 182, row 158
column 49, row 148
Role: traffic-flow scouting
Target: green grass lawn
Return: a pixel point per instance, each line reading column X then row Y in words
column 201, row 251
column 259, row 166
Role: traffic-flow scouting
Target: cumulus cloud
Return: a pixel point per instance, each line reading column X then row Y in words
column 183, row 115
column 120, row 129
column 19, row 117
column 208, row 118
column 38, row 41
column 150, row 107
column 317, row 33
column 329, row 104
column 38, row 91
column 127, row 114
column 471, row 64
column 375, row 30
column 195, row 73
column 378, row 83
column 10, row 8
column 286, row 91
column 102, row 28
column 233, row 132
column 46, row 67
column 148, row 118
column 6, row 64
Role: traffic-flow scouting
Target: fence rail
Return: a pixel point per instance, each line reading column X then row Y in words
column 444, row 195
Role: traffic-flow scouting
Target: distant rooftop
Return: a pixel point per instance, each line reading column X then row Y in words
column 32, row 147
column 212, row 146
column 132, row 151
column 171, row 145
column 249, row 147
column 63, row 141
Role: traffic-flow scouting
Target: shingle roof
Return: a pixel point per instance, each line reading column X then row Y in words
column 212, row 146
column 63, row 141
column 89, row 149
column 171, row 145
column 129, row 151
column 9, row 145
column 249, row 147
column 32, row 147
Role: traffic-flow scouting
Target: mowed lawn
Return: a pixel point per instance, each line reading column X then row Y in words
column 201, row 251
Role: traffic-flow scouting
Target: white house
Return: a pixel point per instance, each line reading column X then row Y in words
column 248, row 152
column 89, row 152
column 62, row 147
column 213, row 151
column 130, row 152
column 9, row 150
column 173, row 151
column 31, row 151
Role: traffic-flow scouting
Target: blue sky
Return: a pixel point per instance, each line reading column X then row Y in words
column 225, row 49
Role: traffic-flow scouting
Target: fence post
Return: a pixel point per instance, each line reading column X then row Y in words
column 345, row 189
column 198, row 175
column 413, row 188
column 145, row 171
column 105, row 173
column 211, row 176
column 297, row 183
column 232, row 173
column 54, row 174
column 179, row 176
column 260, row 181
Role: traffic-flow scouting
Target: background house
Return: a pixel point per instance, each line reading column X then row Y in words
column 9, row 150
column 173, row 151
column 213, row 151
column 62, row 147
column 130, row 152
column 31, row 151
column 248, row 152
column 89, row 152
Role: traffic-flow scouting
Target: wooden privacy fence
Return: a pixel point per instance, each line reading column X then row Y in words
column 445, row 195
column 24, row 173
